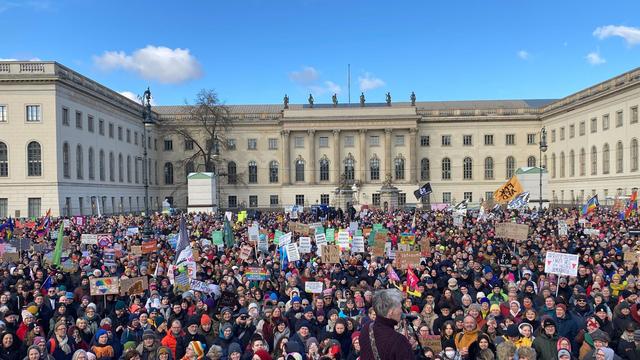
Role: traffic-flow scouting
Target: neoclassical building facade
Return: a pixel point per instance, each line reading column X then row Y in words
column 72, row 145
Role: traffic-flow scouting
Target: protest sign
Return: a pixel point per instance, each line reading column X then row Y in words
column 561, row 263
column 67, row 223
column 432, row 342
column 245, row 252
column 563, row 229
column 407, row 238
column 406, row 258
column 256, row 274
column 203, row 287
column 343, row 240
column 89, row 239
column 330, row 254
column 508, row 191
column 109, row 257
column 136, row 250
column 292, row 252
column 512, row 231
column 321, row 241
column 358, row 244
column 353, row 226
column 330, row 234
column 304, row 245
column 69, row 266
column 263, row 244
column 254, row 232
column 284, row 239
column 182, row 282
column 457, row 220
column 378, row 251
column 149, row 246
column 591, row 231
column 381, row 236
column 104, row 286
column 313, row 287
column 133, row 230
column 216, row 238
column 133, row 286
column 105, row 240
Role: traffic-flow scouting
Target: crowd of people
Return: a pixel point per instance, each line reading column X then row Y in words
column 477, row 296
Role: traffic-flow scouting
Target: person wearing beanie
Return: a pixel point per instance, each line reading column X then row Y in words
column 191, row 331
column 194, row 351
column 148, row 348
column 207, row 331
column 163, row 353
column 296, row 308
column 262, row 355
column 234, row 351
column 566, row 324
column 225, row 339
column 354, row 352
column 101, row 348
column 132, row 332
column 119, row 318
column 545, row 344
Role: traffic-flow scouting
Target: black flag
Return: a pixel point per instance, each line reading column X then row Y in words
column 423, row 191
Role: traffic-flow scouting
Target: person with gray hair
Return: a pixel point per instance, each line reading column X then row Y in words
column 379, row 340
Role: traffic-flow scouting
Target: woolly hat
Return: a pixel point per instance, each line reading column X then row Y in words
column 312, row 340
column 26, row 314
column 512, row 331
column 494, row 307
column 148, row 334
column 205, row 320
column 563, row 352
column 164, row 350
column 159, row 320
column 355, row 335
column 197, row 347
column 99, row 333
column 38, row 339
column 302, row 323
column 234, row 348
column 120, row 305
column 600, row 335
column 296, row 299
column 262, row 354
column 193, row 320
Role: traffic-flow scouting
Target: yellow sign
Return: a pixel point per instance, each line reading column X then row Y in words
column 508, row 191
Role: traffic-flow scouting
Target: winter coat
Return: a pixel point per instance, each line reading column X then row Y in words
column 545, row 346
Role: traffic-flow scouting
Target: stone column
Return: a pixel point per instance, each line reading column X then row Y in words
column 336, row 157
column 286, row 158
column 362, row 168
column 387, row 153
column 414, row 162
column 311, row 135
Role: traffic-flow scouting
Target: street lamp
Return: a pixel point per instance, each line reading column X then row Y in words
column 146, row 119
column 543, row 148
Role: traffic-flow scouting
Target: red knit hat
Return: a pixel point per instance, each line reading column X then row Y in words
column 205, row 320
column 355, row 335
column 263, row 354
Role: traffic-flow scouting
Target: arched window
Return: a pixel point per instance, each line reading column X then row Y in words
column 583, row 162
column 619, row 157
column 300, row 170
column 399, row 168
column 112, row 167
column 253, row 172
column 424, row 169
column 79, row 162
column 531, row 161
column 65, row 160
column 446, row 169
column 168, row 173
column 374, row 168
column 634, row 154
column 4, row 160
column 467, row 168
column 553, row 166
column 572, row 164
column 594, row 160
column 488, row 168
column 92, row 168
column 120, row 168
column 511, row 166
column 128, row 168
column 232, row 176
column 34, row 159
column 349, row 168
column 605, row 159
column 273, row 171
column 324, row 169
column 189, row 168
column 101, row 165
column 136, row 167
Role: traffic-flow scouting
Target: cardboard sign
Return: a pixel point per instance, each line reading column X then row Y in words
column 304, row 245
column 561, row 263
column 89, row 239
column 104, row 286
column 378, row 251
column 292, row 252
column 330, row 254
column 512, row 231
column 381, row 236
column 406, row 258
column 313, row 287
column 149, row 247
column 136, row 250
column 10, row 257
column 358, row 244
column 133, row 286
column 631, row 256
column 256, row 274
column 432, row 342
column 321, row 240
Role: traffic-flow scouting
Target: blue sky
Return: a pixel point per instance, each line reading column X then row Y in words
column 256, row 51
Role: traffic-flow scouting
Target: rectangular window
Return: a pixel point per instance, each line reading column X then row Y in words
column 399, row 140
column 252, row 144
column 155, row 143
column 553, row 135
column 594, row 125
column 34, row 205
column 101, row 127
column 33, row 113
column 634, row 115
column 273, row 144
column 233, row 201
column 188, row 144
column 4, row 208
column 375, row 199
column 273, row 200
column 374, row 140
column 168, row 145
column 562, row 133
column 300, row 200
column 65, row 115
column 231, row 144
column 324, row 199
column 572, row 131
column 3, row 114
column 111, row 132
column 488, row 139
column 402, row 199
column 510, row 139
column 81, row 205
column 298, row 141
column 424, row 140
column 488, row 195
column 531, row 139
column 446, row 140
column 120, row 133
column 605, row 122
column 467, row 140
column 446, row 197
column 619, row 119
column 135, row 138
column 129, row 136
column 90, row 123
column 78, row 120
column 582, row 128
column 348, row 141
column 323, row 141
column 253, row 201
column 468, row 195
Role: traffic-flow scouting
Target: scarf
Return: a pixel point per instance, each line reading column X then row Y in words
column 64, row 346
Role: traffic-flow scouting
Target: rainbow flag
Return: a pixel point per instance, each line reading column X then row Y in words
column 590, row 206
column 632, row 205
column 7, row 229
column 43, row 227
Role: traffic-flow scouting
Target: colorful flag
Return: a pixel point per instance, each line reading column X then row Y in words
column 413, row 223
column 228, row 234
column 590, row 206
column 519, row 201
column 508, row 191
column 43, row 227
column 392, row 274
column 47, row 283
column 412, row 279
column 57, row 253
column 183, row 238
column 7, row 228
column 632, row 205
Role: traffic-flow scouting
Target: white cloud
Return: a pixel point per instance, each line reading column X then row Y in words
column 308, row 75
column 630, row 34
column 165, row 65
column 134, row 97
column 594, row 58
column 523, row 54
column 332, row 87
column 369, row 82
column 11, row 59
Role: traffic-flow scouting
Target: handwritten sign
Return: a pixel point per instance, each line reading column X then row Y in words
column 201, row 286
column 331, row 254
column 512, row 231
column 104, row 286
column 304, row 245
column 89, row 239
column 432, row 342
column 321, row 241
column 343, row 240
column 407, row 238
column 136, row 250
column 358, row 244
column 313, row 287
column 133, row 286
column 133, row 230
column 292, row 252
column 284, row 239
column 256, row 274
column 563, row 229
column 406, row 258
column 182, row 282
column 561, row 263
column 254, row 233
column 149, row 247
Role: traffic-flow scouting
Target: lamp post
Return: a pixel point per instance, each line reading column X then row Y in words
column 146, row 119
column 543, row 148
